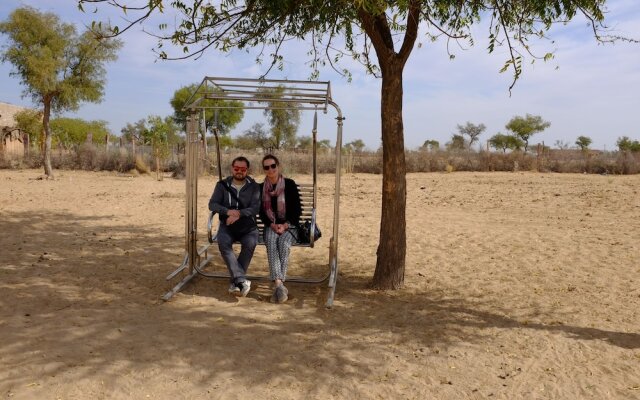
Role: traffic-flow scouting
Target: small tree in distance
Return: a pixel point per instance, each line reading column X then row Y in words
column 457, row 142
column 626, row 144
column 283, row 118
column 228, row 116
column 583, row 142
column 499, row 141
column 471, row 130
column 30, row 121
column 253, row 138
column 525, row 127
column 160, row 133
column 430, row 145
column 561, row 144
column 356, row 146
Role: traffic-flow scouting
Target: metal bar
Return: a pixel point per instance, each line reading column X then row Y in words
column 180, row 268
column 285, row 96
column 314, row 135
column 215, row 132
column 266, row 278
column 203, row 249
column 230, row 88
column 227, row 79
column 179, row 286
column 257, row 107
column 264, row 90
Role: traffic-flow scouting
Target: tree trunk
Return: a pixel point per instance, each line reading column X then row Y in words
column 158, row 173
column 48, row 170
column 389, row 273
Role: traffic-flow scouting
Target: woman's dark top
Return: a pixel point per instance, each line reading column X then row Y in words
column 292, row 205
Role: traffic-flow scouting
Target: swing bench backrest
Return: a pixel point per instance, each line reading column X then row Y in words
column 308, row 214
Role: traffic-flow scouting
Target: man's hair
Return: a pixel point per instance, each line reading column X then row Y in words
column 271, row 157
column 241, row 159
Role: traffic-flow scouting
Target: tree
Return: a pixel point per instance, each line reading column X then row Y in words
column 356, row 146
column 583, row 142
column 499, row 141
column 431, row 145
column 561, row 144
column 324, row 144
column 525, row 127
column 74, row 131
column 626, row 144
column 379, row 34
column 457, row 142
column 160, row 133
column 305, row 143
column 514, row 143
column 254, row 138
column 471, row 130
column 30, row 121
column 135, row 133
column 283, row 118
column 229, row 115
column 58, row 68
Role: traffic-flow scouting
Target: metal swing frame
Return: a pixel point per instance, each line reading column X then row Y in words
column 252, row 94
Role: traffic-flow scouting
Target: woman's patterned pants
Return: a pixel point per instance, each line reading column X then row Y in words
column 278, row 247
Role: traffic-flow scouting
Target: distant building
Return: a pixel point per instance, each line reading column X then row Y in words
column 12, row 140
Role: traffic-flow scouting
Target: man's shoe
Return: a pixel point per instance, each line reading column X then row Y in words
column 245, row 287
column 233, row 289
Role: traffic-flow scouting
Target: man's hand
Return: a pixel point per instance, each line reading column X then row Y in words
column 232, row 216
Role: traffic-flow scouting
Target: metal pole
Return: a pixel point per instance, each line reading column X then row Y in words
column 215, row 133
column 314, row 136
column 191, row 191
column 333, row 249
column 203, row 128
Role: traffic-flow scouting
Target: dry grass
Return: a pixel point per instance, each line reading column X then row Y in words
column 93, row 158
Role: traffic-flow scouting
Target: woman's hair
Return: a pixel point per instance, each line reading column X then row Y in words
column 270, row 157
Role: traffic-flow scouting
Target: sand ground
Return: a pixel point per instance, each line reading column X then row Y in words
column 518, row 286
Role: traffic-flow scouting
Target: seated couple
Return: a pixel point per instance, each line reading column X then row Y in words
column 237, row 199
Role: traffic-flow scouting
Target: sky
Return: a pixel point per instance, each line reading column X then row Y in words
column 588, row 89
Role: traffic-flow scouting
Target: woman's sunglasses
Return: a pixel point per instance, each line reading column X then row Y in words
column 272, row 166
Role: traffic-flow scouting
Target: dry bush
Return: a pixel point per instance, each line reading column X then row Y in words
column 141, row 165
column 97, row 158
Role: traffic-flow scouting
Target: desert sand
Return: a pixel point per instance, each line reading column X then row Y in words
column 517, row 286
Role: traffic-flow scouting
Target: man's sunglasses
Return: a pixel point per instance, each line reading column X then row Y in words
column 240, row 169
column 272, row 166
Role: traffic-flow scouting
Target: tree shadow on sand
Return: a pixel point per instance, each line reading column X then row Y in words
column 92, row 306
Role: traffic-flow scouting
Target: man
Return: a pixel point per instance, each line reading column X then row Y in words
column 237, row 200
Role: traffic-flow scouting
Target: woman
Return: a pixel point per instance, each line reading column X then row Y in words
column 280, row 213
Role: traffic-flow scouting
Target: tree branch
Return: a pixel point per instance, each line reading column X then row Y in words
column 410, row 36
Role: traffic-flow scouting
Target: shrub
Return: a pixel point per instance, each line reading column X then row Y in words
column 98, row 158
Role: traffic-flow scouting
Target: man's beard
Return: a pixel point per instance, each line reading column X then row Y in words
column 239, row 177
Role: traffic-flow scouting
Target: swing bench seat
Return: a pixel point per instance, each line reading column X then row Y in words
column 308, row 215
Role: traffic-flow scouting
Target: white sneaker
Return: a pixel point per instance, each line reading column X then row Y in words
column 233, row 289
column 246, row 286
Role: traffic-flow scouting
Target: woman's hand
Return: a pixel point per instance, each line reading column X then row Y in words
column 280, row 228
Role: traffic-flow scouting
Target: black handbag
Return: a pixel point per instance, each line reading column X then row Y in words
column 244, row 224
column 304, row 232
